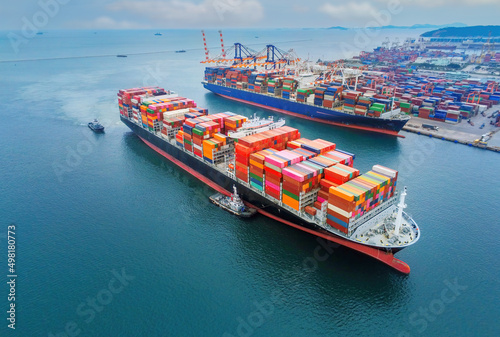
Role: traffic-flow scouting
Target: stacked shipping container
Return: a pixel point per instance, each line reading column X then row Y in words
column 358, row 195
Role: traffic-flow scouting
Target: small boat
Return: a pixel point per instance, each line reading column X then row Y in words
column 180, row 51
column 96, row 126
column 158, row 34
column 233, row 204
column 121, row 55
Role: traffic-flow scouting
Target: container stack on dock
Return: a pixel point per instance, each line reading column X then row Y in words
column 431, row 97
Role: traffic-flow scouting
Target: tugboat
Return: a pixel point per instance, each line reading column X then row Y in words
column 233, row 204
column 96, row 126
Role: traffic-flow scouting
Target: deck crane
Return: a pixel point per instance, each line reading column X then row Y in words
column 339, row 72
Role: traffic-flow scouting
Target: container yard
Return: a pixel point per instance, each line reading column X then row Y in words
column 309, row 184
column 462, row 110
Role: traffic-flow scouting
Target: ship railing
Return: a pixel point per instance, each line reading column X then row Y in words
column 412, row 223
column 372, row 215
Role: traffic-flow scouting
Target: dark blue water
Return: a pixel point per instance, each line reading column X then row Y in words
column 90, row 207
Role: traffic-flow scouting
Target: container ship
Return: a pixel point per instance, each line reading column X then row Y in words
column 274, row 80
column 310, row 185
column 327, row 103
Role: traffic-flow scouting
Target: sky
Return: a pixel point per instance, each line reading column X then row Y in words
column 157, row 14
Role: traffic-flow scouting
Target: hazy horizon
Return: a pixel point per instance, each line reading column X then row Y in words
column 196, row 14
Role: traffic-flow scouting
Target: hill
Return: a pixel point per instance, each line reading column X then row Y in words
column 464, row 31
column 417, row 26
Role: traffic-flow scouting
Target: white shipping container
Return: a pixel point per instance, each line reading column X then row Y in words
column 385, row 171
column 340, row 211
column 175, row 113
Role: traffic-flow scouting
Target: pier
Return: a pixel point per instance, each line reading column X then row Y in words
column 461, row 133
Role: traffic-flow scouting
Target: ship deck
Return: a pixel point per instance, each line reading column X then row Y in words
column 179, row 157
column 368, row 230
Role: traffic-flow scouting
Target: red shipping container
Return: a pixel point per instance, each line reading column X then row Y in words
column 273, row 180
column 343, row 204
column 257, row 171
column 327, row 184
column 291, row 188
column 338, row 216
column 272, row 173
column 323, row 195
column 310, row 210
column 241, row 176
column 339, row 227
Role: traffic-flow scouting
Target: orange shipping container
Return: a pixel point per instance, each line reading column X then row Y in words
column 290, row 202
column 342, row 194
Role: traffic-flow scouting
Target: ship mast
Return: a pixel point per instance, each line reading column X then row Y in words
column 399, row 217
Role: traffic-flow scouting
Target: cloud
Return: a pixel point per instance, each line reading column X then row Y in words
column 180, row 14
column 300, row 9
column 105, row 22
column 442, row 3
column 349, row 10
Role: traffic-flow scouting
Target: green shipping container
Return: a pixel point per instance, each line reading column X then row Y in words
column 291, row 195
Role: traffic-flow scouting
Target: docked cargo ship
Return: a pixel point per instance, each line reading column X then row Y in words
column 323, row 96
column 391, row 122
column 310, row 185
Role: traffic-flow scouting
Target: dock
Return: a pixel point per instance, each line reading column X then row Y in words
column 461, row 133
